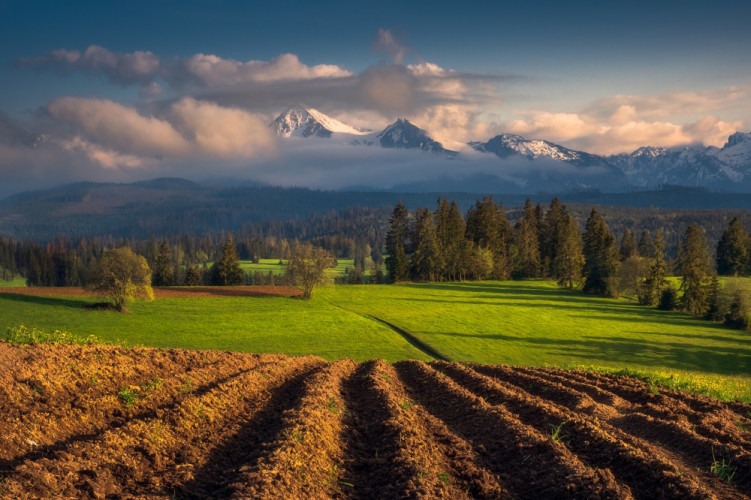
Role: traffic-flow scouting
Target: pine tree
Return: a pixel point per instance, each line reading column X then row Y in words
column 695, row 266
column 488, row 228
column 601, row 257
column 553, row 226
column 397, row 263
column 733, row 250
column 192, row 277
column 628, row 245
column 163, row 271
column 645, row 246
column 568, row 259
column 450, row 235
column 424, row 263
column 650, row 292
column 226, row 271
column 527, row 240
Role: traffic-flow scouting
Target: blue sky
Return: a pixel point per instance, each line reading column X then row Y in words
column 602, row 76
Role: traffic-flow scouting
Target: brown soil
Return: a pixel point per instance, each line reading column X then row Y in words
column 169, row 292
column 109, row 422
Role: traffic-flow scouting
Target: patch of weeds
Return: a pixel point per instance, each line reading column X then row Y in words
column 294, row 434
column 385, row 375
column 187, row 386
column 556, row 434
column 94, row 380
column 200, row 411
column 333, row 406
column 741, row 426
column 128, row 395
column 154, row 384
column 421, row 474
column 24, row 335
column 653, row 388
column 723, row 470
column 444, row 477
column 156, row 434
column 406, row 405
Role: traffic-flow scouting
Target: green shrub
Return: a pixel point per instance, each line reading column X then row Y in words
column 668, row 299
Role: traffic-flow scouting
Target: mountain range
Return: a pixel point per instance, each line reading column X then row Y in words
column 530, row 165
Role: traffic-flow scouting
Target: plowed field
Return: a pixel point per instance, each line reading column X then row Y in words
column 99, row 421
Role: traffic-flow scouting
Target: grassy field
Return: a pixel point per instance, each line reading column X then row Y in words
column 519, row 323
column 13, row 283
column 266, row 265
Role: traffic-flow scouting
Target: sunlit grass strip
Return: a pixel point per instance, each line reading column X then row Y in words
column 723, row 387
column 26, row 336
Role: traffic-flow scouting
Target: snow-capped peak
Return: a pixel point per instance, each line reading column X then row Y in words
column 302, row 121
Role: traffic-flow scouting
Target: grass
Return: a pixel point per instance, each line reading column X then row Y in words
column 14, row 283
column 273, row 265
column 556, row 433
column 533, row 323
column 723, row 470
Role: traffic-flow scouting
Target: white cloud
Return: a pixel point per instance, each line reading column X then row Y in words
column 107, row 158
column 624, row 123
column 212, row 71
column 119, row 127
column 227, row 132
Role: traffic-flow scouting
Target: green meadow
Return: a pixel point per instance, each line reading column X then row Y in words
column 519, row 323
column 274, row 266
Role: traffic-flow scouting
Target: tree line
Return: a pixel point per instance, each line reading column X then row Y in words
column 446, row 245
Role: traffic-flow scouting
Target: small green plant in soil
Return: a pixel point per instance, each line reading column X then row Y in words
column 723, row 470
column 128, row 395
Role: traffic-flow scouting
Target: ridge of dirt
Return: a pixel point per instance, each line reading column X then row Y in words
column 110, row 422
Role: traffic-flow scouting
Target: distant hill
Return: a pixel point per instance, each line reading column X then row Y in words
column 171, row 206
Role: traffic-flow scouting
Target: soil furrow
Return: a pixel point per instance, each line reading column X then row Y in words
column 55, row 422
column 528, row 462
column 396, row 449
column 305, row 457
column 711, row 419
column 138, row 456
column 643, row 467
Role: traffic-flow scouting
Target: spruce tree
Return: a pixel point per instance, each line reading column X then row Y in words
column 733, row 250
column 450, row 235
column 163, row 271
column 645, row 246
column 488, row 228
column 658, row 270
column 568, row 259
column 424, row 263
column 192, row 277
column 397, row 263
column 552, row 225
column 226, row 271
column 601, row 257
column 527, row 241
column 628, row 245
column 694, row 265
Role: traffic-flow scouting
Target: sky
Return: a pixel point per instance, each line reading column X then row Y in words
column 134, row 90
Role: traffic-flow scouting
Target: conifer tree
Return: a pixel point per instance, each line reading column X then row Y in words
column 526, row 239
column 424, row 260
column 192, row 277
column 651, row 290
column 733, row 250
column 553, row 225
column 163, row 271
column 645, row 246
column 601, row 257
column 226, row 271
column 488, row 228
column 397, row 263
column 450, row 233
column 568, row 259
column 695, row 267
column 628, row 245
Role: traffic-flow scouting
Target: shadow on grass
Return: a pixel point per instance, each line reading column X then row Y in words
column 46, row 300
column 725, row 360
